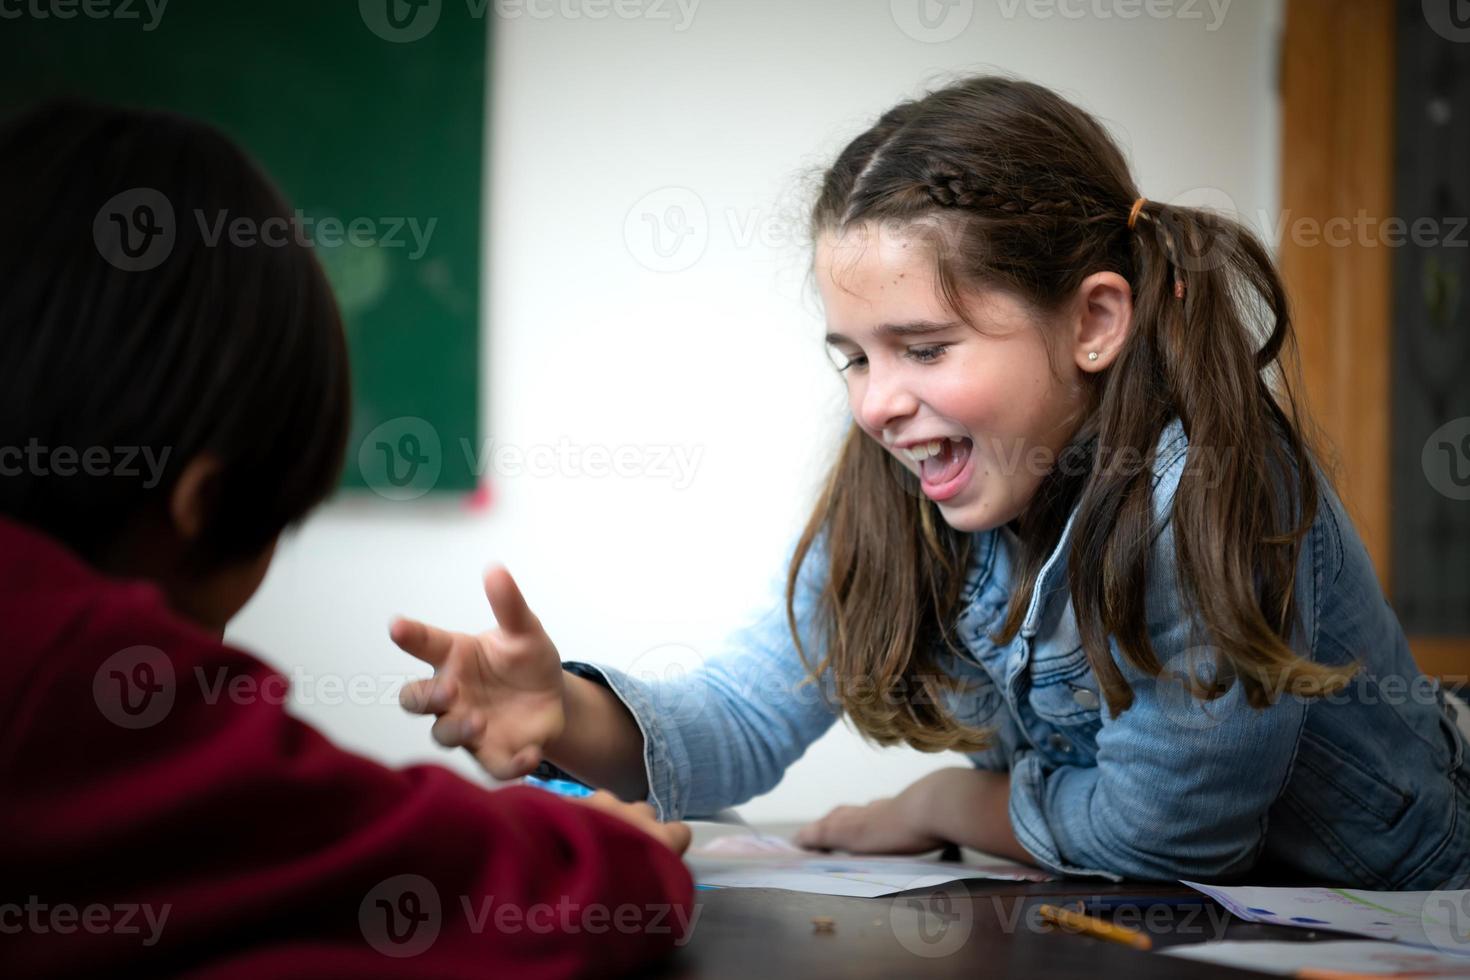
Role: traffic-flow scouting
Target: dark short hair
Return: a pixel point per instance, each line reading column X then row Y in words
column 128, row 326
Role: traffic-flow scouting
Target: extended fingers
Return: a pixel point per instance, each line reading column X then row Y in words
column 506, row 602
column 601, row 799
column 832, row 831
column 523, row 762
column 453, row 731
column 429, row 643
column 812, row 835
column 678, row 836
column 431, row 696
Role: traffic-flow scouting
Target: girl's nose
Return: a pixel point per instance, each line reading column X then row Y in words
column 884, row 400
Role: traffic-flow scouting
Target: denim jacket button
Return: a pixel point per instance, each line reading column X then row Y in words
column 1085, row 698
column 1059, row 742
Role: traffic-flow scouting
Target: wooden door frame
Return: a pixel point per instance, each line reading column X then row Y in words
column 1337, row 88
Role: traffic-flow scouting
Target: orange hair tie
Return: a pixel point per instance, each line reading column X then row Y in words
column 1133, row 214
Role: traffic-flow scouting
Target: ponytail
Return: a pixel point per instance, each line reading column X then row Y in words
column 1205, row 291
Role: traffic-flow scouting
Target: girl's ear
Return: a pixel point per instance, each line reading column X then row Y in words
column 188, row 504
column 1104, row 314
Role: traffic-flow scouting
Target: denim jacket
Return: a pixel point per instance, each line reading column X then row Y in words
column 1367, row 787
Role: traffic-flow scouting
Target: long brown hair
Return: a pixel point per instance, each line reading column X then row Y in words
column 1022, row 191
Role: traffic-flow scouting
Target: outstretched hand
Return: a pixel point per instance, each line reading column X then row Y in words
column 498, row 694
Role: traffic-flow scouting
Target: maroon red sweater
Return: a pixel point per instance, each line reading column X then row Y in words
column 152, row 823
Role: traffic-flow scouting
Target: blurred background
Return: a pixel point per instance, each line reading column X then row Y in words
column 584, row 334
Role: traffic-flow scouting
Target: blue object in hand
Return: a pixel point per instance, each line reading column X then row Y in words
column 562, row 787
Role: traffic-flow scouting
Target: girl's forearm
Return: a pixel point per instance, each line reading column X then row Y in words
column 601, row 743
column 969, row 807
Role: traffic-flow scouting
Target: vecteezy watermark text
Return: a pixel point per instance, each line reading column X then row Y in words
column 328, row 232
column 137, row 229
column 568, row 459
column 36, row 459
column 402, row 458
column 406, row 21
column 137, row 687
column 1121, row 9
column 402, row 916
column 64, row 918
column 90, row 9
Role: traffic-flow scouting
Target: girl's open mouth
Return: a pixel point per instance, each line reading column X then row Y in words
column 945, row 474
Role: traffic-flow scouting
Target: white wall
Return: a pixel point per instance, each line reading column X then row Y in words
column 586, row 344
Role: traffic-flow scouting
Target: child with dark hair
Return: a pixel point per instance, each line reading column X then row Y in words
column 169, row 404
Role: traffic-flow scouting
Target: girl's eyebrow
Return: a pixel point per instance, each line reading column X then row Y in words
column 915, row 328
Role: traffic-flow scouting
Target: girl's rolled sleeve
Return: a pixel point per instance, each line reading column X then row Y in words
column 1030, row 807
column 1167, row 799
column 665, row 756
column 727, row 731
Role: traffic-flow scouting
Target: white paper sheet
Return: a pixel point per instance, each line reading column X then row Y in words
column 1440, row 919
column 1362, row 956
column 762, row 864
column 748, row 846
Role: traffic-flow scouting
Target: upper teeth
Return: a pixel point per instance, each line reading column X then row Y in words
column 923, row 450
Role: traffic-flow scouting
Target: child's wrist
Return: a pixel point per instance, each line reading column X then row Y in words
column 569, row 691
column 931, row 804
column 921, row 803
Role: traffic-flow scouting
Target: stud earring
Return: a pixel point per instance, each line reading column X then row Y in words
column 1092, row 355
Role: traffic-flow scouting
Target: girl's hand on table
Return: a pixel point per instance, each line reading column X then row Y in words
column 964, row 806
column 885, row 826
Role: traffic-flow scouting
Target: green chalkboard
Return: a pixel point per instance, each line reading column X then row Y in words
column 369, row 111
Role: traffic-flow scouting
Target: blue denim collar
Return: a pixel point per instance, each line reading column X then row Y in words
column 992, row 576
column 990, row 580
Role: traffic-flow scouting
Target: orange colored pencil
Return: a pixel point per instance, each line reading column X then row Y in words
column 1092, row 926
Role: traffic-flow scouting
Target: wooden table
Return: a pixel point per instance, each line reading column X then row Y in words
column 969, row 929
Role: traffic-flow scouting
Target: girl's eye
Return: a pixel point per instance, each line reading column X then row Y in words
column 927, row 355
column 923, row 355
